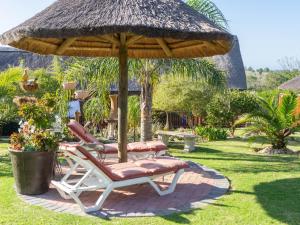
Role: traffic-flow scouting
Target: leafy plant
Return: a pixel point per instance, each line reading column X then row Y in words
column 8, row 111
column 224, row 109
column 211, row 133
column 28, row 140
column 39, row 114
column 275, row 118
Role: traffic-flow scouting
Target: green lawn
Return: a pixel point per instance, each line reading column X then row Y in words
column 265, row 190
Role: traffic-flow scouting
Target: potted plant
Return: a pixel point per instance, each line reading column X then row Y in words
column 32, row 150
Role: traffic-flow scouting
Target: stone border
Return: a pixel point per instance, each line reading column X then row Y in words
column 221, row 187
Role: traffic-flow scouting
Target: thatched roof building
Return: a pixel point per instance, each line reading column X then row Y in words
column 232, row 63
column 292, row 85
column 12, row 57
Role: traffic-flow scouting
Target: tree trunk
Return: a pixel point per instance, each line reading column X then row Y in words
column 167, row 126
column 146, row 109
column 123, row 100
column 280, row 143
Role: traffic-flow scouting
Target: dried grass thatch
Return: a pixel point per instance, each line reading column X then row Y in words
column 153, row 28
column 232, row 63
column 292, row 85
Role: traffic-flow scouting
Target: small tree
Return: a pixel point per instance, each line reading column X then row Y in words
column 224, row 109
column 182, row 94
column 168, row 97
column 276, row 119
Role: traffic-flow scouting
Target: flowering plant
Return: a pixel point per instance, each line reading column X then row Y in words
column 35, row 133
column 29, row 139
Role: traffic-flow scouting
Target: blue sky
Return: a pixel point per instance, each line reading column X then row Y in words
column 268, row 29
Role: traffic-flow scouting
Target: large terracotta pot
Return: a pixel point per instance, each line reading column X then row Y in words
column 32, row 171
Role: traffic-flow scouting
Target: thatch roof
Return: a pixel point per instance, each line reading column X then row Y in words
column 153, row 29
column 232, row 64
column 12, row 57
column 292, row 85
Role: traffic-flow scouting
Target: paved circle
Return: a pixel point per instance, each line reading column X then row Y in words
column 196, row 188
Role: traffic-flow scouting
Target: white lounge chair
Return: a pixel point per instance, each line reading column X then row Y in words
column 136, row 150
column 109, row 177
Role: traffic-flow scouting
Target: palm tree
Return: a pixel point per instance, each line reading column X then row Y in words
column 274, row 117
column 147, row 70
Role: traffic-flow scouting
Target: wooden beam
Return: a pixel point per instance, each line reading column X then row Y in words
column 111, row 38
column 95, row 44
column 184, row 44
column 89, row 49
column 67, row 43
column 165, row 47
column 133, row 39
column 39, row 42
column 189, row 47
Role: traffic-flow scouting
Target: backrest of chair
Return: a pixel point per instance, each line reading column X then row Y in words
column 98, row 164
column 80, row 132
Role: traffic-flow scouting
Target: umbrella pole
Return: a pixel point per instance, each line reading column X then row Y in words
column 123, row 99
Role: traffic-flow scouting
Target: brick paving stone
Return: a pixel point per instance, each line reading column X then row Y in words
column 197, row 187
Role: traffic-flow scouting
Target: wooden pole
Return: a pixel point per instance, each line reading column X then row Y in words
column 123, row 99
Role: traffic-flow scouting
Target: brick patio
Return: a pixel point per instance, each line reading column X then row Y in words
column 197, row 187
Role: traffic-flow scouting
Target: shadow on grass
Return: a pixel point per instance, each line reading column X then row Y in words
column 280, row 199
column 5, row 166
column 178, row 146
column 178, row 218
column 242, row 162
column 4, row 140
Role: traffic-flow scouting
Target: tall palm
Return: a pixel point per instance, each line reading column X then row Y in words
column 275, row 118
column 148, row 69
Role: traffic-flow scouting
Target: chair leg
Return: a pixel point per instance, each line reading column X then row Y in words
column 98, row 203
column 172, row 186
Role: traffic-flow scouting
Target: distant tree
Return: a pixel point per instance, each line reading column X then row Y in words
column 290, row 64
column 251, row 69
column 260, row 71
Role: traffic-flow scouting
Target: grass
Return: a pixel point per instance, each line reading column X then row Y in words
column 265, row 190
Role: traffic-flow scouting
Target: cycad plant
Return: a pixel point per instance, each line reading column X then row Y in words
column 275, row 117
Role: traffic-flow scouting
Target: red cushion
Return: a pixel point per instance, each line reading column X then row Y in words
column 156, row 145
column 80, row 132
column 162, row 164
column 125, row 171
column 142, row 168
column 137, row 147
column 111, row 148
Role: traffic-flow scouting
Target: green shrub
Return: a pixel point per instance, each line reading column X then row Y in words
column 211, row 133
column 224, row 109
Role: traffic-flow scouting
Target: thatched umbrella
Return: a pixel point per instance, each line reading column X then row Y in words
column 120, row 28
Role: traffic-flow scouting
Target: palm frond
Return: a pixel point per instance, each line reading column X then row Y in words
column 198, row 69
column 210, row 10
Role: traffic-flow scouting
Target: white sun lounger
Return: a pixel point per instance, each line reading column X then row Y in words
column 109, row 177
